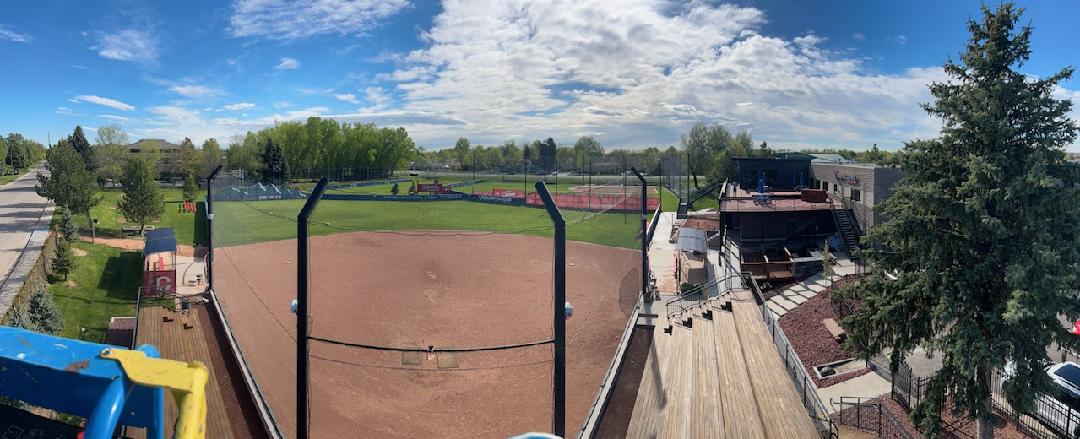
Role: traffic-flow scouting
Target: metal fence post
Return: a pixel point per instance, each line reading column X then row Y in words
column 210, row 226
column 644, row 237
column 302, row 372
column 559, row 323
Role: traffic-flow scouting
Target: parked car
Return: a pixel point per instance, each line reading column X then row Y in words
column 1058, row 409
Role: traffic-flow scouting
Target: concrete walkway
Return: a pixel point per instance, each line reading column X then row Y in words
column 795, row 295
column 662, row 255
column 24, row 226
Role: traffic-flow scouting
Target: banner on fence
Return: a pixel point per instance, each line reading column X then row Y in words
column 596, row 202
column 507, row 193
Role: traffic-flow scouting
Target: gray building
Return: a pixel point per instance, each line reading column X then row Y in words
column 859, row 186
column 166, row 155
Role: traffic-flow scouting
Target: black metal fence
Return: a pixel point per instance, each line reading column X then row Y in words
column 869, row 415
column 1048, row 418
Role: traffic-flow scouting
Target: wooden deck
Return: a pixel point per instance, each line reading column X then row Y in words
column 177, row 343
column 721, row 378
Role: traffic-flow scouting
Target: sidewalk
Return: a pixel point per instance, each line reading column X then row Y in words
column 796, row 294
column 662, row 255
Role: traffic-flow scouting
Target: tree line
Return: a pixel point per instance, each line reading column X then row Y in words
column 321, row 147
column 19, row 153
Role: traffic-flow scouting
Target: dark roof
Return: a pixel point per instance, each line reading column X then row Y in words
column 796, row 156
column 159, row 241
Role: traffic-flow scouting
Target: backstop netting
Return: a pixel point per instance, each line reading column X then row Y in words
column 431, row 305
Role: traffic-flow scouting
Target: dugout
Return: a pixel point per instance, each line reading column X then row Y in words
column 159, row 262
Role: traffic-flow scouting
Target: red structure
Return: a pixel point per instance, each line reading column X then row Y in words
column 596, row 202
column 159, row 263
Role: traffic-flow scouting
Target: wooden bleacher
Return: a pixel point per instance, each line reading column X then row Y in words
column 721, row 378
column 182, row 339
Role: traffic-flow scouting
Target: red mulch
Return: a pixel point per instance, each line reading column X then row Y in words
column 867, row 418
column 811, row 340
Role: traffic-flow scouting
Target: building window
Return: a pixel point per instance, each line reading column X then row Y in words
column 825, row 186
column 836, row 188
column 856, row 195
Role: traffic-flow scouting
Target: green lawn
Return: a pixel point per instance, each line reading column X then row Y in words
column 104, row 284
column 247, row 222
column 110, row 222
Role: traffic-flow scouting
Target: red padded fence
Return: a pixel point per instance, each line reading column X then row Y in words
column 597, row 202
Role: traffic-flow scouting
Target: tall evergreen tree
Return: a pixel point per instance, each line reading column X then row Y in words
column 274, row 167
column 983, row 232
column 68, row 230
column 142, row 201
column 79, row 142
column 64, row 261
column 69, row 184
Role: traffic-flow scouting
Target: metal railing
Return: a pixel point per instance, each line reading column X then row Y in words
column 794, row 366
column 868, row 415
column 690, row 298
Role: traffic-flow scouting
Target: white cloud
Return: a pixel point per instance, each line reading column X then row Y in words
column 901, row 39
column 128, row 45
column 193, row 91
column 288, row 64
column 858, row 36
column 643, row 72
column 377, row 98
column 239, row 106
column 348, row 97
column 289, row 19
column 15, row 37
column 65, row 111
column 107, row 102
column 114, row 117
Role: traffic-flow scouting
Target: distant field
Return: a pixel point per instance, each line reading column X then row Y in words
column 249, row 222
column 564, row 184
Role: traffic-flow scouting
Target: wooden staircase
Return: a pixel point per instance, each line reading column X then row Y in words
column 715, row 373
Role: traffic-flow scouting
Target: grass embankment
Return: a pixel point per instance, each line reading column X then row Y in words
column 111, row 222
column 104, row 284
column 248, row 222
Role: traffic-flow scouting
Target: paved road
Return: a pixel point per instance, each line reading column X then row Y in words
column 20, row 209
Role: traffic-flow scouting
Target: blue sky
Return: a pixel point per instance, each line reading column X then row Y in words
column 632, row 73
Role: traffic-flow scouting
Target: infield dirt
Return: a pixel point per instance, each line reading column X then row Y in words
column 417, row 289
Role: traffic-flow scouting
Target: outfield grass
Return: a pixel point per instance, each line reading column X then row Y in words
column 110, row 222
column 248, row 222
column 516, row 182
column 104, row 284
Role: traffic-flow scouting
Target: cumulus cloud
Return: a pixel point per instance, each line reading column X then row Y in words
column 107, row 102
column 128, row 45
column 239, row 106
column 289, row 20
column 15, row 37
column 901, row 39
column 348, row 97
column 288, row 64
column 858, row 36
column 643, row 72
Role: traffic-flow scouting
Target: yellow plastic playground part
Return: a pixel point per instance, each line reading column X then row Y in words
column 186, row 382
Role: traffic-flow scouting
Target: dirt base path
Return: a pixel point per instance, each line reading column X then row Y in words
column 135, row 244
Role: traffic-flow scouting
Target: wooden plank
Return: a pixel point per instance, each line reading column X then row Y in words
column 645, row 418
column 738, row 406
column 677, row 389
column 778, row 402
column 176, row 342
column 708, row 422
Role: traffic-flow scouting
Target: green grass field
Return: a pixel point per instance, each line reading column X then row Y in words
column 111, row 223
column 248, row 222
column 104, row 284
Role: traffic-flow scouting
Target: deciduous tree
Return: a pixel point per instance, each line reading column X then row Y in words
column 983, row 233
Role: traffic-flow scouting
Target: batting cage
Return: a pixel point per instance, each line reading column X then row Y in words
column 430, row 312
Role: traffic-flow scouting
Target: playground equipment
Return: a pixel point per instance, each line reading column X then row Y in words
column 107, row 385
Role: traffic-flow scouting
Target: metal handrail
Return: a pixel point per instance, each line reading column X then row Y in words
column 683, row 301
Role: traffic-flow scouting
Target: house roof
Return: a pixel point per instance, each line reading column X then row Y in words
column 830, row 158
column 159, row 241
column 160, row 143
